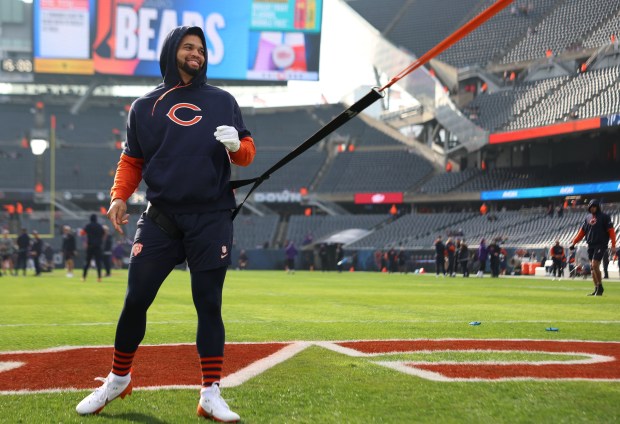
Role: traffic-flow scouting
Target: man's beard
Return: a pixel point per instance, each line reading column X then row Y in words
column 190, row 70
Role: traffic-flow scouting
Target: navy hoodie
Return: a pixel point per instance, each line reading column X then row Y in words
column 185, row 168
column 596, row 228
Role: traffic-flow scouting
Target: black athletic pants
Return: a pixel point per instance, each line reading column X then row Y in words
column 144, row 282
column 440, row 264
column 92, row 252
column 557, row 267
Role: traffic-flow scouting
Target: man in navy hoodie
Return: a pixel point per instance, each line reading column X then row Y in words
column 181, row 139
column 598, row 230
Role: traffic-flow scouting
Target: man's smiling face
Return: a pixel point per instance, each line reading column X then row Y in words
column 190, row 57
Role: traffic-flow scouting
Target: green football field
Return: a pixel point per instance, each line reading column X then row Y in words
column 328, row 380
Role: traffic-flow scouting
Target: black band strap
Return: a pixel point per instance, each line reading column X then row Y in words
column 331, row 126
column 163, row 222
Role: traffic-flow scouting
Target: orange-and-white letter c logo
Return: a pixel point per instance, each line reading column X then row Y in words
column 172, row 114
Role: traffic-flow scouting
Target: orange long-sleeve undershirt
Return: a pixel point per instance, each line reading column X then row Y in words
column 127, row 177
column 580, row 235
column 245, row 155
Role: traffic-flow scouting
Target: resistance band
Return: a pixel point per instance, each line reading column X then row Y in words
column 374, row 95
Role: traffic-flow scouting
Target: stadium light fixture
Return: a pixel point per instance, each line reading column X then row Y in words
column 38, row 146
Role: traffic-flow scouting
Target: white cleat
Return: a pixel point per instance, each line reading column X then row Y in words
column 113, row 387
column 212, row 406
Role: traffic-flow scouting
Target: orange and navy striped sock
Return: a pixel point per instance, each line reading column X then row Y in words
column 122, row 361
column 211, row 369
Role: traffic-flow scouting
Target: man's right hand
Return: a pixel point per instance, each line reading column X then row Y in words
column 117, row 214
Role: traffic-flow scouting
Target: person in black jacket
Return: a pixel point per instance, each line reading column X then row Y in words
column 107, row 251
column 440, row 257
column 598, row 230
column 463, row 255
column 94, row 239
column 69, row 249
column 36, row 250
column 23, row 249
column 494, row 251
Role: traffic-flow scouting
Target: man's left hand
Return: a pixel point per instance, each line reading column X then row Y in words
column 229, row 137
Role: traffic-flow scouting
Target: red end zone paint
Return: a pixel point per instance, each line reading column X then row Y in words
column 178, row 365
column 605, row 366
column 167, row 365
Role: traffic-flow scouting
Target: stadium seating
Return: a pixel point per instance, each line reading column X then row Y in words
column 379, row 17
column 295, row 175
column 564, row 28
column 17, row 169
column 489, row 41
column 474, row 180
column 254, row 231
column 362, row 171
column 496, row 110
column 17, row 119
column 567, row 98
column 86, row 168
column 424, row 23
column 320, row 226
column 548, row 101
column 94, row 125
column 602, row 35
column 447, row 181
column 411, row 231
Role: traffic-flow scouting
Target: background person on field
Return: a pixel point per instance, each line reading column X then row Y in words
column 556, row 253
column 440, row 257
column 451, row 252
column 23, row 250
column 243, row 260
column 7, row 249
column 69, row 249
column 106, row 255
column 483, row 253
column 494, row 252
column 291, row 254
column 94, row 239
column 598, row 230
column 606, row 265
column 118, row 254
column 463, row 258
column 36, row 250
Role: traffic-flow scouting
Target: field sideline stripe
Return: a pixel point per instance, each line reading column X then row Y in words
column 409, row 321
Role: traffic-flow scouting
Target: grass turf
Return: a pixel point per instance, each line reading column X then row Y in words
column 319, row 385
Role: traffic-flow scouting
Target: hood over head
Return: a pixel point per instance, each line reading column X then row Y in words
column 594, row 202
column 168, row 57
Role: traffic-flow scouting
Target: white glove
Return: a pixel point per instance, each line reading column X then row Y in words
column 229, row 137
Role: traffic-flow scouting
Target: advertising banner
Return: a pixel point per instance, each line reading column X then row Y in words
column 273, row 40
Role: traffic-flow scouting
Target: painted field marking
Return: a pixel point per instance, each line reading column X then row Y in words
column 177, row 365
column 602, row 361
